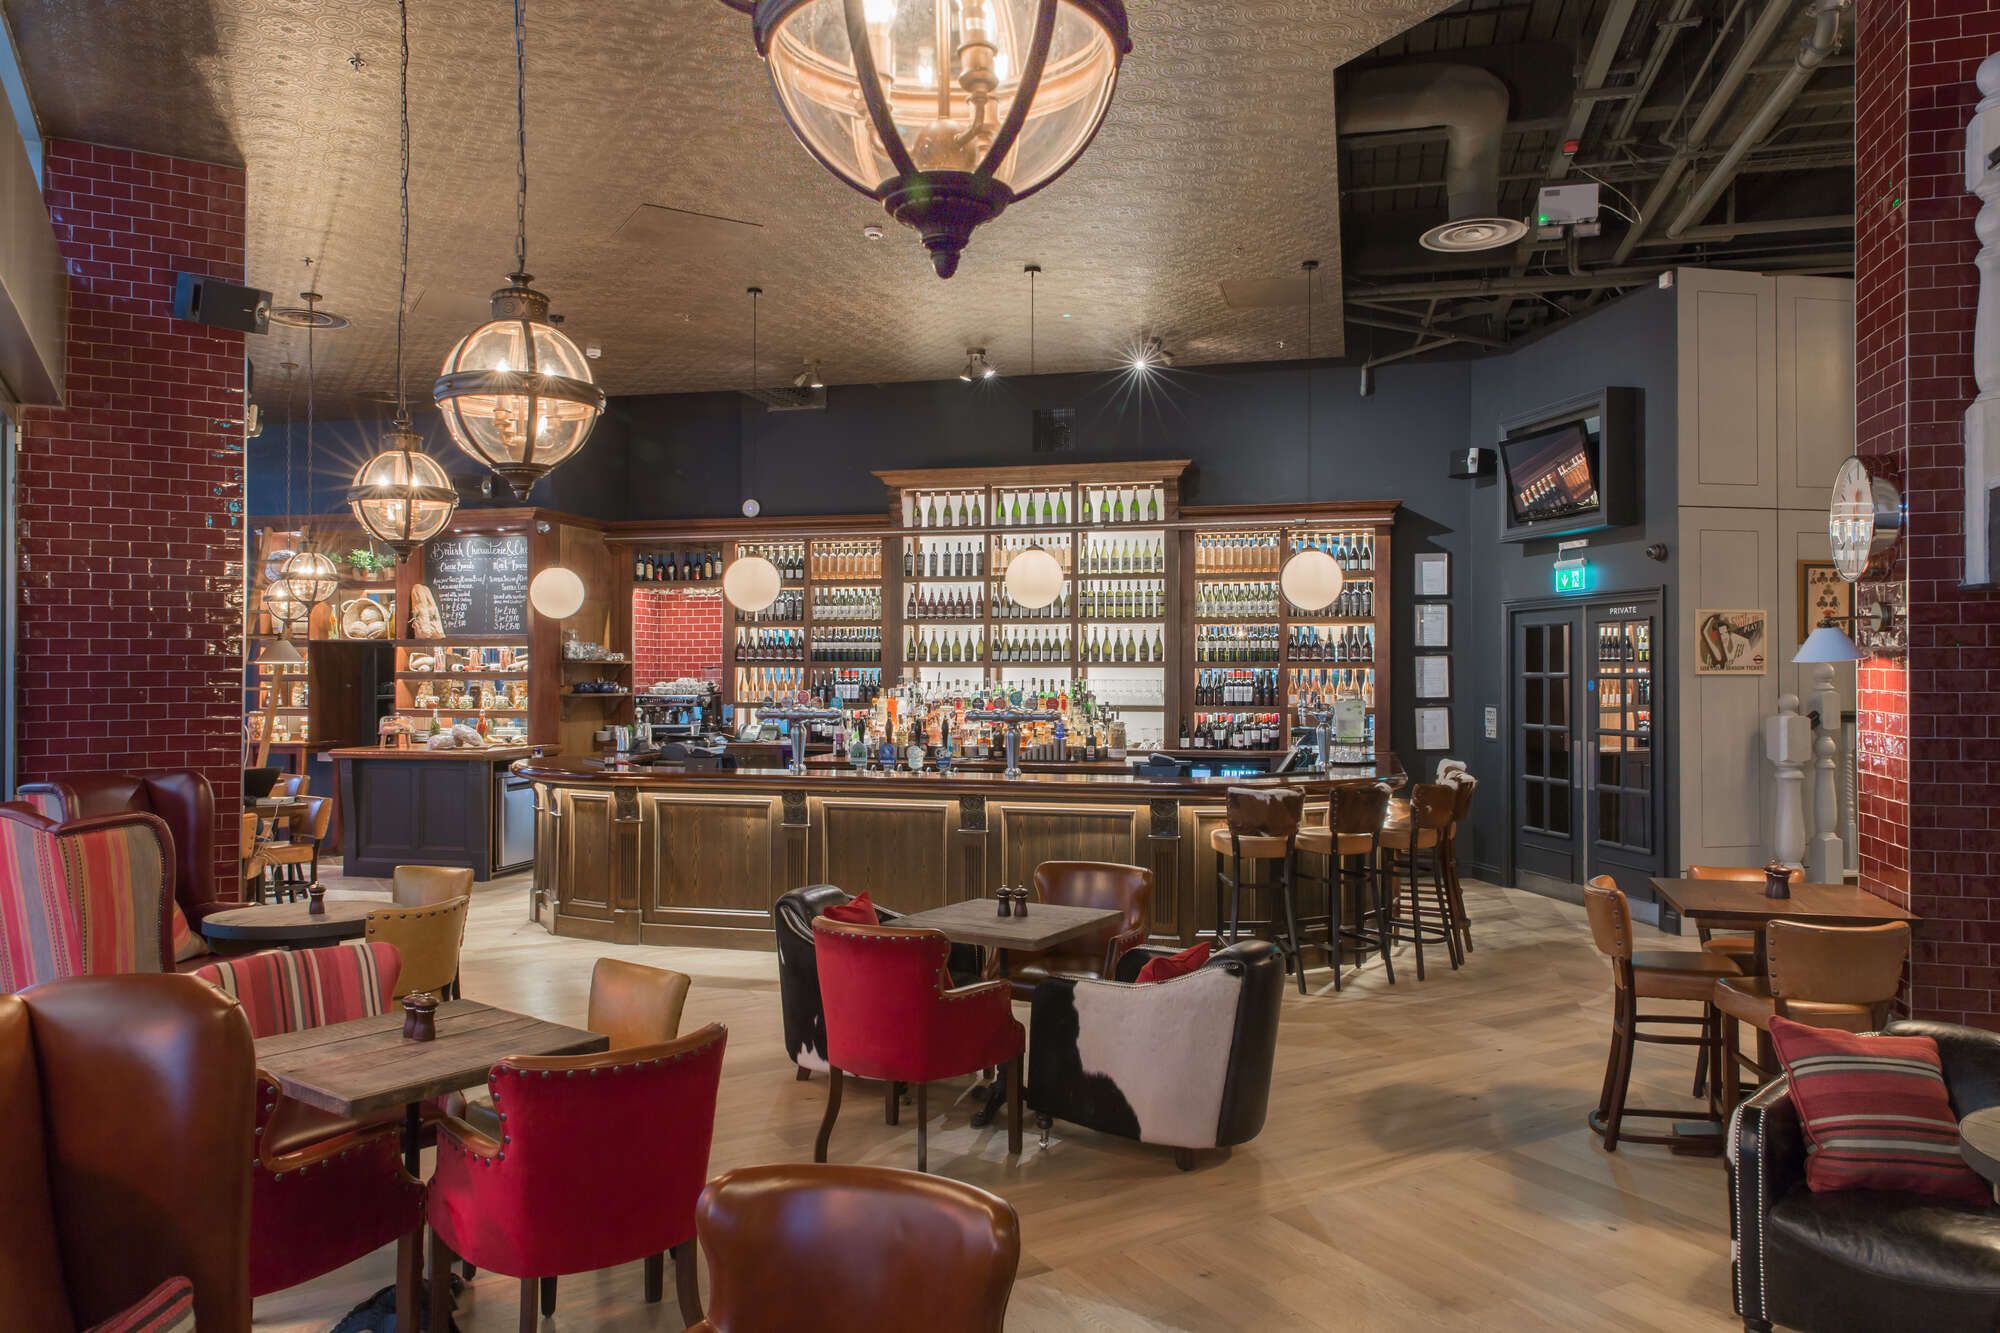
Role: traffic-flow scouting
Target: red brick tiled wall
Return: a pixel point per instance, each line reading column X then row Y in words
column 1930, row 726
column 131, row 498
column 676, row 632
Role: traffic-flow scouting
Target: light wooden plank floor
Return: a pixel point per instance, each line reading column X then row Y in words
column 1425, row 1164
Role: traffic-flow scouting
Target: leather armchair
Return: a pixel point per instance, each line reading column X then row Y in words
column 798, row 970
column 427, row 939
column 1122, row 888
column 855, row 1249
column 127, row 1101
column 1860, row 1259
column 86, row 897
column 181, row 797
column 1184, row 1063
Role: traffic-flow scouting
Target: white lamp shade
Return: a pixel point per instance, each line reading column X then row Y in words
column 751, row 584
column 1828, row 643
column 1034, row 579
column 556, row 592
column 1311, row 580
column 281, row 652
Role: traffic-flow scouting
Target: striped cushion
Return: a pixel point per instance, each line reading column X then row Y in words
column 290, row 992
column 187, row 944
column 39, row 940
column 1876, row 1113
column 117, row 875
column 168, row 1308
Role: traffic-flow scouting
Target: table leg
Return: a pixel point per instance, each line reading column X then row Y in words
column 410, row 1247
column 996, row 1091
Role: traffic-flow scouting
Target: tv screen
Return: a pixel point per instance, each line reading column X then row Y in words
column 1552, row 475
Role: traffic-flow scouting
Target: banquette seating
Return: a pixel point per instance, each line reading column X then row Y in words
column 89, row 896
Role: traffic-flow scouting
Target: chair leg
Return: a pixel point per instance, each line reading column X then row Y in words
column 1383, row 926
column 687, row 1283
column 1622, row 1035
column 1220, row 942
column 1731, row 1074
column 1292, row 922
column 923, row 1129
column 1235, row 897
column 1443, row 896
column 803, row 1075
column 440, row 1283
column 1416, row 930
column 1184, row 1158
column 832, row 1111
column 530, row 1316
column 1014, row 1106
column 892, row 1102
column 467, row 1269
column 656, row 1277
column 548, row 1296
column 1335, row 882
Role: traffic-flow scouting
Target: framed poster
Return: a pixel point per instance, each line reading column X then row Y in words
column 1433, row 676
column 1434, row 574
column 1434, row 625
column 1731, row 643
column 1433, row 728
column 1823, row 595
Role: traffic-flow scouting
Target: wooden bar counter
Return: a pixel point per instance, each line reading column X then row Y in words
column 664, row 855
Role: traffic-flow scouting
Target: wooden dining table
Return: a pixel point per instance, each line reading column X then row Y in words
column 289, row 925
column 365, row 1066
column 1738, row 904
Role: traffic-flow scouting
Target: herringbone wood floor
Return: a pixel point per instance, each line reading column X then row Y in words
column 1425, row 1164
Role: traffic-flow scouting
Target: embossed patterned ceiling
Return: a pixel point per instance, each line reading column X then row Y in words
column 1217, row 163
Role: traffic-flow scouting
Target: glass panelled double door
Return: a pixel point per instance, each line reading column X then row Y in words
column 1587, row 787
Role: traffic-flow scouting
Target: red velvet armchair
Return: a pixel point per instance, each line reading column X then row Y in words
column 890, row 1016
column 82, row 898
column 324, row 1190
column 181, row 797
column 600, row 1161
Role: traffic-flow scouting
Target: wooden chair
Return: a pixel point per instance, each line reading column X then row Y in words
column 250, row 852
column 1407, row 845
column 1261, row 826
column 420, row 886
column 1824, row 976
column 429, row 940
column 1736, row 944
column 854, row 1249
column 295, row 784
column 1351, row 842
column 1461, row 811
column 300, row 850
column 1683, row 974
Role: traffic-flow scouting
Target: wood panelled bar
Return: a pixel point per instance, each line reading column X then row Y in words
column 637, row 854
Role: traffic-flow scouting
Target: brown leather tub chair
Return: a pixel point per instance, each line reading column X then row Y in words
column 1125, row 889
column 127, row 1101
column 854, row 1249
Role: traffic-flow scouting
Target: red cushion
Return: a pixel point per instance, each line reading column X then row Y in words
column 855, row 911
column 1179, row 965
column 168, row 1308
column 1876, row 1113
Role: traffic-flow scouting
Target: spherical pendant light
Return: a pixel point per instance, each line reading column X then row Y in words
column 946, row 111
column 751, row 583
column 1034, row 579
column 515, row 392
column 310, row 577
column 1312, row 579
column 286, row 612
column 556, row 593
column 402, row 495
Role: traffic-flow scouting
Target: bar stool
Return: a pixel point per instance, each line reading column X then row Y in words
column 1262, row 827
column 1408, row 844
column 1823, row 976
column 1351, row 842
column 1461, row 809
column 1665, row 974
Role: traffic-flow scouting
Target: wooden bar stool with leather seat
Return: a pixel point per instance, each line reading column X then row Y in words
column 1261, row 826
column 1461, row 810
column 1823, row 976
column 1351, row 842
column 1407, row 844
column 1664, row 974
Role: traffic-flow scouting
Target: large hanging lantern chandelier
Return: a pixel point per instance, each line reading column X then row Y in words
column 402, row 496
column 516, row 393
column 309, row 577
column 946, row 111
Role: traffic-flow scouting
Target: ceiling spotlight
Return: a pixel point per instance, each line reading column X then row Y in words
column 808, row 376
column 977, row 367
column 1149, row 355
column 871, row 232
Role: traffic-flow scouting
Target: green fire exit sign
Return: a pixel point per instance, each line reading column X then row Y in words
column 1571, row 575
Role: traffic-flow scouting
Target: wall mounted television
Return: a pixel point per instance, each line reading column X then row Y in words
column 1570, row 468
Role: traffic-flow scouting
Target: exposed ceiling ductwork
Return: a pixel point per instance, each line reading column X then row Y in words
column 1470, row 105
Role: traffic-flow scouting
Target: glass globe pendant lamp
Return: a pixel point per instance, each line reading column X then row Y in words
column 285, row 611
column 401, row 496
column 515, row 392
column 945, row 111
column 309, row 576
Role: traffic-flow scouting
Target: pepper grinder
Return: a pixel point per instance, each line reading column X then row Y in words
column 315, row 899
column 1021, row 901
column 420, row 1016
column 1004, row 896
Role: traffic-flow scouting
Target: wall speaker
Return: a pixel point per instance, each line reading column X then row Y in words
column 205, row 300
column 1055, row 430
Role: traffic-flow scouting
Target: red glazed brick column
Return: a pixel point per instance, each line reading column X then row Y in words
column 131, row 498
column 676, row 632
column 1930, row 726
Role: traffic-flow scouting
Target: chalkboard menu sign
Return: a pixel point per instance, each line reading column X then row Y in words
column 481, row 583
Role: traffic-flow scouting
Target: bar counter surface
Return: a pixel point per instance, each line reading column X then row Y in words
column 661, row 854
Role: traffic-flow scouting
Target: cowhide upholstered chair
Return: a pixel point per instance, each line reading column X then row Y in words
column 1184, row 1063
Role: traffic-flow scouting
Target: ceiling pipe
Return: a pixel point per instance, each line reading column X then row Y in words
column 1813, row 50
column 1420, row 330
column 1469, row 103
column 1775, row 14
column 1669, row 30
column 1730, row 231
column 1632, row 276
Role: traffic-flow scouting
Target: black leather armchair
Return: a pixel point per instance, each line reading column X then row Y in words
column 1184, row 1063
column 1860, row 1259
column 798, row 969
